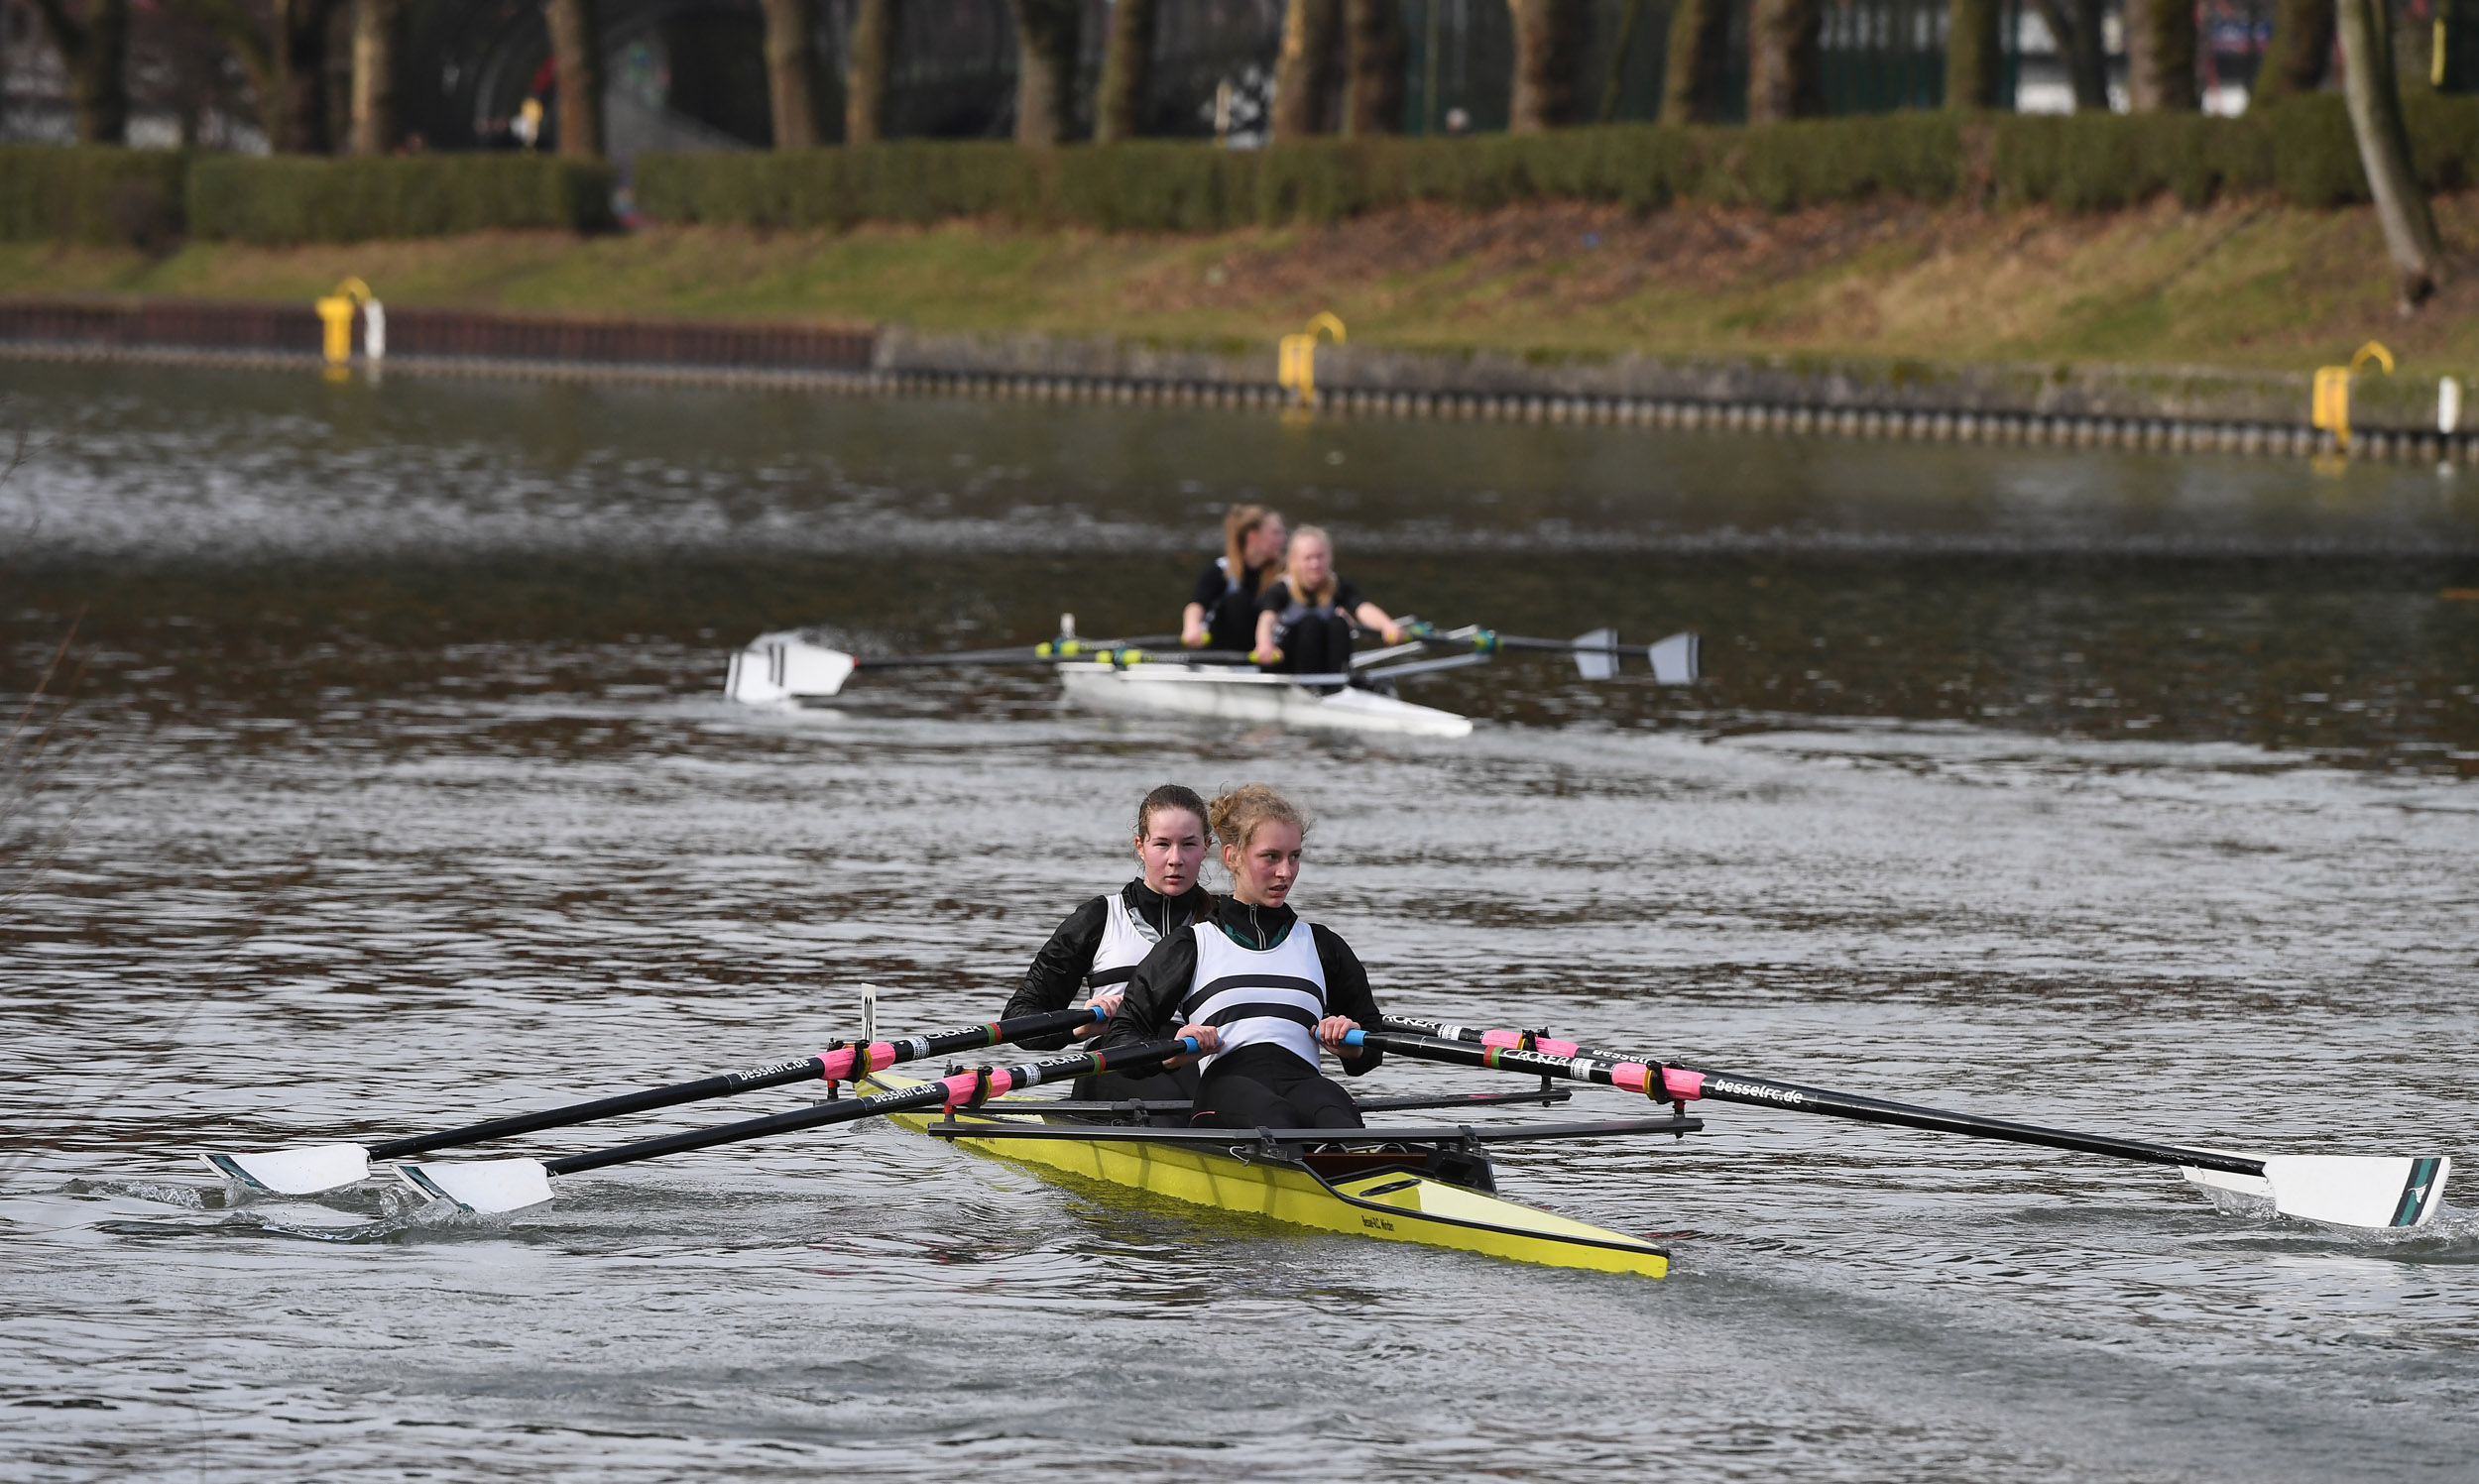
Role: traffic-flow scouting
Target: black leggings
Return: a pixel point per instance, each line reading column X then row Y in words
column 1319, row 644
column 1266, row 1086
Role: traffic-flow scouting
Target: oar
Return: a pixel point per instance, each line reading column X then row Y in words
column 497, row 1186
column 1596, row 654
column 779, row 666
column 310, row 1169
column 2340, row 1190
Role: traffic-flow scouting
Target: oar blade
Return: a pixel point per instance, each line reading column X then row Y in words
column 786, row 666
column 2381, row 1191
column 487, row 1186
column 1597, row 653
column 306, row 1171
column 1675, row 660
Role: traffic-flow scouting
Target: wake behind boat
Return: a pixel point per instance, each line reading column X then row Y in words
column 1124, row 676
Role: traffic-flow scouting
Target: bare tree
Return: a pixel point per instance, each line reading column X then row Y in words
column 791, row 71
column 94, row 42
column 1304, row 68
column 251, row 44
column 2384, row 148
column 1694, row 73
column 1784, row 60
column 577, row 53
column 864, row 71
column 2084, row 47
column 1374, row 66
column 1615, row 68
column 2161, row 55
column 1975, row 58
column 1045, row 67
column 2299, row 53
column 376, row 26
column 1126, row 63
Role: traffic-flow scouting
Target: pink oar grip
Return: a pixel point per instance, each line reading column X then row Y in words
column 1683, row 1084
column 959, row 1087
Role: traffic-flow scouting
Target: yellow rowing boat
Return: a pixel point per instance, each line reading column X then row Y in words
column 1430, row 1186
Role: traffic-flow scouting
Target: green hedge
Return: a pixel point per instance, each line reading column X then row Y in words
column 296, row 198
column 2301, row 150
column 89, row 193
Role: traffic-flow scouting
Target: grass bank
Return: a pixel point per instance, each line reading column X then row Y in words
column 2244, row 284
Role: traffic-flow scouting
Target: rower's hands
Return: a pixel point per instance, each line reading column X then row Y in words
column 1108, row 1004
column 1330, row 1033
column 1394, row 633
column 1265, row 657
column 1208, row 1038
column 1194, row 639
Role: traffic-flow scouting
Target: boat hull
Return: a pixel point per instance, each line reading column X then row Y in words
column 1392, row 1204
column 1239, row 695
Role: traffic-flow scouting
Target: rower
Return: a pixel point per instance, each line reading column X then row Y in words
column 1305, row 618
column 1101, row 942
column 1261, row 989
column 1221, row 614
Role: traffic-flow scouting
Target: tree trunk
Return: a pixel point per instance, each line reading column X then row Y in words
column 2299, row 53
column 1546, row 34
column 1304, row 69
column 375, row 24
column 1785, row 63
column 250, row 46
column 1692, row 74
column 1045, row 67
column 299, row 112
column 94, row 51
column 2161, row 56
column 2384, row 148
column 1373, row 64
column 1126, row 72
column 577, row 54
column 2075, row 24
column 864, row 71
column 2456, row 59
column 1974, row 57
column 791, row 71
column 1615, row 70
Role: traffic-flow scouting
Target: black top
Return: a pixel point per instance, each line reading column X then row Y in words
column 1060, row 968
column 1150, row 1012
column 1287, row 609
column 1229, row 607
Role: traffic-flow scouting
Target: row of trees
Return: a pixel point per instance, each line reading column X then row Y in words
column 1340, row 68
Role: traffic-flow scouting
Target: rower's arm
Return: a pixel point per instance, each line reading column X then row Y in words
column 1058, row 970
column 1265, row 631
column 1372, row 616
column 1192, row 625
column 1346, row 993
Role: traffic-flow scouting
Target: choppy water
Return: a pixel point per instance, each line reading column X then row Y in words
column 408, row 798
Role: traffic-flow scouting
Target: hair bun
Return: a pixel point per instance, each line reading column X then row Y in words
column 1235, row 815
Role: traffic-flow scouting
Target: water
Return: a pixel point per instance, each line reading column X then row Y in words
column 406, row 797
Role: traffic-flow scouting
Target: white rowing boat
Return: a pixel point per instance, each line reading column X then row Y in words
column 793, row 666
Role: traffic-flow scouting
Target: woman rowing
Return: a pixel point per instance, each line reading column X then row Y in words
column 1101, row 942
column 1221, row 614
column 1259, row 989
column 1306, row 617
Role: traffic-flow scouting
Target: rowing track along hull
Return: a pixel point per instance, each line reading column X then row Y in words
column 1390, row 1204
column 1249, row 696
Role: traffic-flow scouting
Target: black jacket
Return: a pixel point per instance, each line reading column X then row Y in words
column 1059, row 969
column 1150, row 1012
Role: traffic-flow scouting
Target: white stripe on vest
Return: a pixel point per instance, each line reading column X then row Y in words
column 1125, row 940
column 1276, row 995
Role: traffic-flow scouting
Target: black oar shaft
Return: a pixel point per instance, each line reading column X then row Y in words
column 837, row 1065
column 963, row 1087
column 1727, row 1087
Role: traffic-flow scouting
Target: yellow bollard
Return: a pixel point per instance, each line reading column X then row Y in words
column 1295, row 367
column 2330, row 408
column 335, row 316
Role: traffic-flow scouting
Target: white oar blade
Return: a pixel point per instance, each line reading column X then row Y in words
column 306, row 1171
column 784, row 667
column 2229, row 1180
column 489, row 1187
column 1597, row 653
column 1674, row 661
column 2358, row 1191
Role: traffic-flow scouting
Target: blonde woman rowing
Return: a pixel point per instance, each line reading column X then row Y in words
column 1261, row 990
column 1305, row 620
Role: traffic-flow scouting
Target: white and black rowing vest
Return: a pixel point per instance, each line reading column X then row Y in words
column 1125, row 940
column 1252, row 996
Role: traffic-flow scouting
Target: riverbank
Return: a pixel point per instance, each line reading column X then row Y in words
column 2216, row 314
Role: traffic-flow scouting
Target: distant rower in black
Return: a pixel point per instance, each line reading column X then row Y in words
column 1306, row 616
column 1222, row 613
column 1261, row 989
column 1102, row 942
